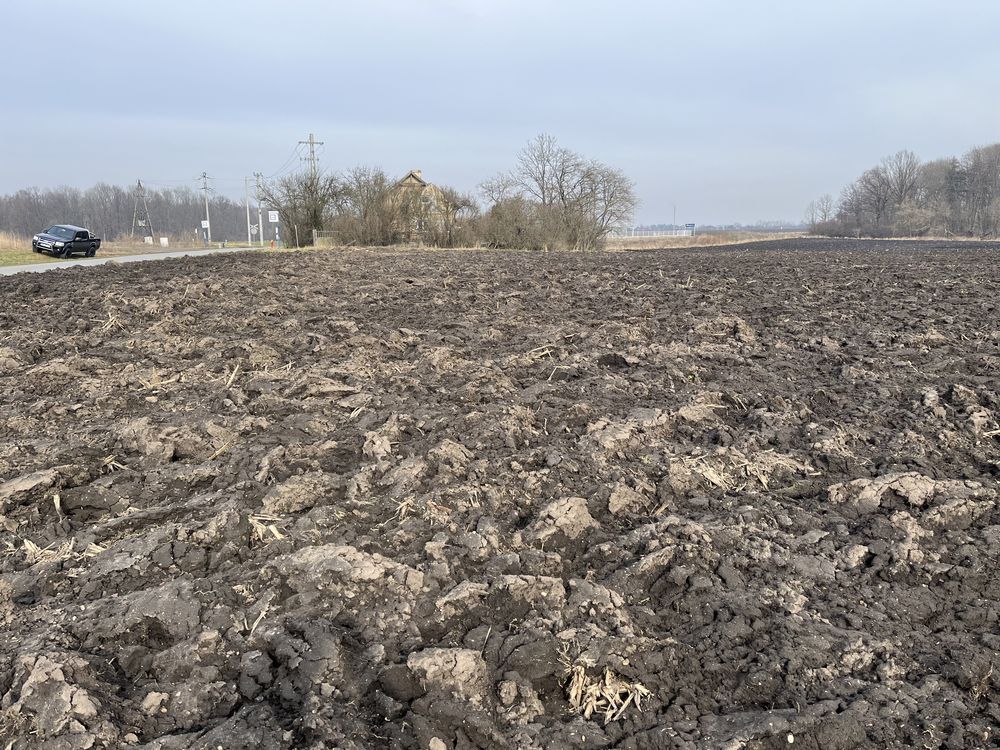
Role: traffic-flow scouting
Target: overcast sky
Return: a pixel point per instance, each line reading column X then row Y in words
column 734, row 111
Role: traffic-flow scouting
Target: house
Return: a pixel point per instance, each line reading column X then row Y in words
column 425, row 212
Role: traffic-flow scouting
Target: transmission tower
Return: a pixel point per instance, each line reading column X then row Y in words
column 145, row 222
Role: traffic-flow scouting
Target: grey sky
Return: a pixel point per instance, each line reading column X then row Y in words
column 735, row 111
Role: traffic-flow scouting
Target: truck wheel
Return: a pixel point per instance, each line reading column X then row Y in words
column 92, row 251
column 66, row 252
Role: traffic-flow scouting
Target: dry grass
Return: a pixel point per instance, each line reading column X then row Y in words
column 699, row 240
column 9, row 241
column 16, row 251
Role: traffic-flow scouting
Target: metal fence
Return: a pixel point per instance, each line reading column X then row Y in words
column 326, row 238
column 685, row 232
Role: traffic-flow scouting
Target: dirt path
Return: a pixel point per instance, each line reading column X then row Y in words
column 432, row 500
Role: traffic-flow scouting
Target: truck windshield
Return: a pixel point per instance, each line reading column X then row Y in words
column 61, row 232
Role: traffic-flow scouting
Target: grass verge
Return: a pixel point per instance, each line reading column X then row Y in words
column 709, row 239
column 12, row 257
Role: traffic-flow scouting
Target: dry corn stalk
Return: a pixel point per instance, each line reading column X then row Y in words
column 610, row 695
column 111, row 463
column 94, row 549
column 232, row 377
column 229, row 444
column 113, row 321
column 263, row 529
column 35, row 554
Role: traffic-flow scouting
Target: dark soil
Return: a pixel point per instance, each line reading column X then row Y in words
column 385, row 499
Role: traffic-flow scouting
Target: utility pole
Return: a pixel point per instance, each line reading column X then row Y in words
column 260, row 214
column 312, row 143
column 246, row 188
column 204, row 186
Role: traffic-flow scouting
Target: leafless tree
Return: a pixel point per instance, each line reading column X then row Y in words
column 456, row 220
column 876, row 196
column 575, row 202
column 366, row 213
column 825, row 208
column 514, row 222
column 982, row 182
column 851, row 209
column 901, row 171
column 304, row 202
column 499, row 188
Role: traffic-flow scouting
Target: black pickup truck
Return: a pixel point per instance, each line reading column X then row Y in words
column 65, row 240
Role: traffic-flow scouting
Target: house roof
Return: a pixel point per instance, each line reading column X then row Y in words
column 414, row 175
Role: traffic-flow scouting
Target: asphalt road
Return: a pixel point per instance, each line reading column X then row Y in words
column 38, row 267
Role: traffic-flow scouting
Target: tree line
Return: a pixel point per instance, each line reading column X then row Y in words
column 904, row 197
column 552, row 198
column 109, row 210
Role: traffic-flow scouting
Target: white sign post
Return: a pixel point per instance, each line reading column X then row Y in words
column 272, row 216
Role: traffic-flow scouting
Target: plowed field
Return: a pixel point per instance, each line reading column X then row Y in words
column 744, row 497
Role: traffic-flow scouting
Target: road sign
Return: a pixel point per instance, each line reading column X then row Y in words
column 272, row 216
column 689, row 226
column 253, row 230
column 204, row 223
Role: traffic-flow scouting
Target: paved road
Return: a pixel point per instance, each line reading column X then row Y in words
column 33, row 267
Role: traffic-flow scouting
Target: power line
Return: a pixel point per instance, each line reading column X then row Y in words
column 312, row 143
column 288, row 163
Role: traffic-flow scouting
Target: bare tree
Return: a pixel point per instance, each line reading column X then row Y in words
column 605, row 198
column 366, row 212
column 851, row 210
column 303, row 201
column 876, row 196
column 575, row 202
column 456, row 226
column 825, row 208
column 982, row 173
column 901, row 171
column 537, row 165
column 499, row 188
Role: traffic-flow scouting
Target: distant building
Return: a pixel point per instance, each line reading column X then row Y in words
column 425, row 212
